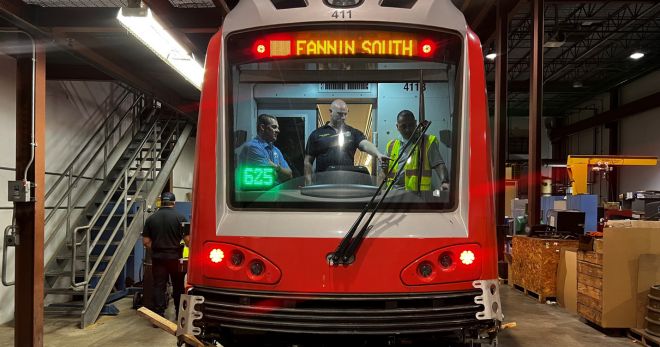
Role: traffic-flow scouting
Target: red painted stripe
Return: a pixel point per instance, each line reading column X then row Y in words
column 378, row 267
column 481, row 215
column 204, row 180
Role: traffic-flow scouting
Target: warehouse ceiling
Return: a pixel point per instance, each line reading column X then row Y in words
column 596, row 38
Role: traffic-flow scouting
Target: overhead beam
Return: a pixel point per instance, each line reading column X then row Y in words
column 486, row 9
column 511, row 7
column 107, row 17
column 71, row 46
column 69, row 72
column 113, row 69
column 115, row 29
column 632, row 108
column 222, row 4
column 16, row 7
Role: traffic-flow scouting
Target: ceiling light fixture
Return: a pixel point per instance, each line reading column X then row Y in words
column 142, row 23
column 557, row 40
column 637, row 55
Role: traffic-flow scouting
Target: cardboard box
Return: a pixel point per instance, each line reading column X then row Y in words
column 618, row 297
column 567, row 280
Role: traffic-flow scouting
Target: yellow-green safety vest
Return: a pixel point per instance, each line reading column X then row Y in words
column 411, row 167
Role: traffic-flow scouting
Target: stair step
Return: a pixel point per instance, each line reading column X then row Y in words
column 145, row 169
column 101, row 243
column 152, row 159
column 92, row 258
column 63, row 311
column 60, row 273
column 67, row 291
column 104, row 216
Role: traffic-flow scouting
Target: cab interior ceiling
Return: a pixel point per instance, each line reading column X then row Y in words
column 382, row 76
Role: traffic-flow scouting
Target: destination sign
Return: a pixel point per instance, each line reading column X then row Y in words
column 323, row 43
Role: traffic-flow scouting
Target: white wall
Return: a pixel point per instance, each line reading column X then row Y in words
column 639, row 135
column 182, row 176
column 7, row 165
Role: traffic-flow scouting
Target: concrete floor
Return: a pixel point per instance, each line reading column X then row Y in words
column 537, row 325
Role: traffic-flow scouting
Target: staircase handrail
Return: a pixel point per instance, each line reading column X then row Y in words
column 106, row 201
column 70, row 188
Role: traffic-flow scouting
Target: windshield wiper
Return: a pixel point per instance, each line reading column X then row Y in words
column 345, row 252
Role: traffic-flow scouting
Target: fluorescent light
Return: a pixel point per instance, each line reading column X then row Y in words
column 151, row 33
column 491, row 56
column 637, row 55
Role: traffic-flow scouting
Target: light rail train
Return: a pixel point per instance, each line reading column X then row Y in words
column 345, row 252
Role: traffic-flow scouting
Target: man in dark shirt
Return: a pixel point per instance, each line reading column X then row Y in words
column 336, row 142
column 162, row 234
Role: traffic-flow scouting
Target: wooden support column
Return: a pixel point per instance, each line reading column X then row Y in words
column 535, row 114
column 29, row 302
column 501, row 129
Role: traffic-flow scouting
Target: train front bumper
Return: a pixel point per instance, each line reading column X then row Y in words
column 468, row 312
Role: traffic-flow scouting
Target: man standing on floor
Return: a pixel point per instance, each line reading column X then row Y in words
column 162, row 234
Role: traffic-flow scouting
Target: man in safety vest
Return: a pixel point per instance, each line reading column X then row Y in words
column 420, row 166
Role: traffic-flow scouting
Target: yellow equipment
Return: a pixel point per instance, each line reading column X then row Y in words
column 578, row 167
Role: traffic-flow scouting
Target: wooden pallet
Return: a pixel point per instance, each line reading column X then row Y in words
column 532, row 294
column 644, row 338
column 534, row 265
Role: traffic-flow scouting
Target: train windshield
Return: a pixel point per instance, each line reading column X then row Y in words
column 317, row 118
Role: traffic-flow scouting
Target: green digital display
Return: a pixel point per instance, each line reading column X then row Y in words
column 257, row 177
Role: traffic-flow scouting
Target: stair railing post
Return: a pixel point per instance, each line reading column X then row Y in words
column 105, row 151
column 86, row 284
column 125, row 214
column 68, row 206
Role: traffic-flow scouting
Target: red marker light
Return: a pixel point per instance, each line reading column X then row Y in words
column 216, row 255
column 427, row 48
column 467, row 257
column 260, row 49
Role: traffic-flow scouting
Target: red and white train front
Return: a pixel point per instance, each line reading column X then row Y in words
column 260, row 245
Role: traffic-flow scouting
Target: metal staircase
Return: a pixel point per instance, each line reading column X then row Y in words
column 137, row 152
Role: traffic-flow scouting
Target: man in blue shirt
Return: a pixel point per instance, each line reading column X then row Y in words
column 260, row 151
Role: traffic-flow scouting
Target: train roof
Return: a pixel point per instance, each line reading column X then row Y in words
column 249, row 14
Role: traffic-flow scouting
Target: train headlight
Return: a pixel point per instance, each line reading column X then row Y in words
column 216, row 255
column 467, row 257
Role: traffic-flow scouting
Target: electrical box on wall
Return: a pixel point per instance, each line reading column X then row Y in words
column 19, row 191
